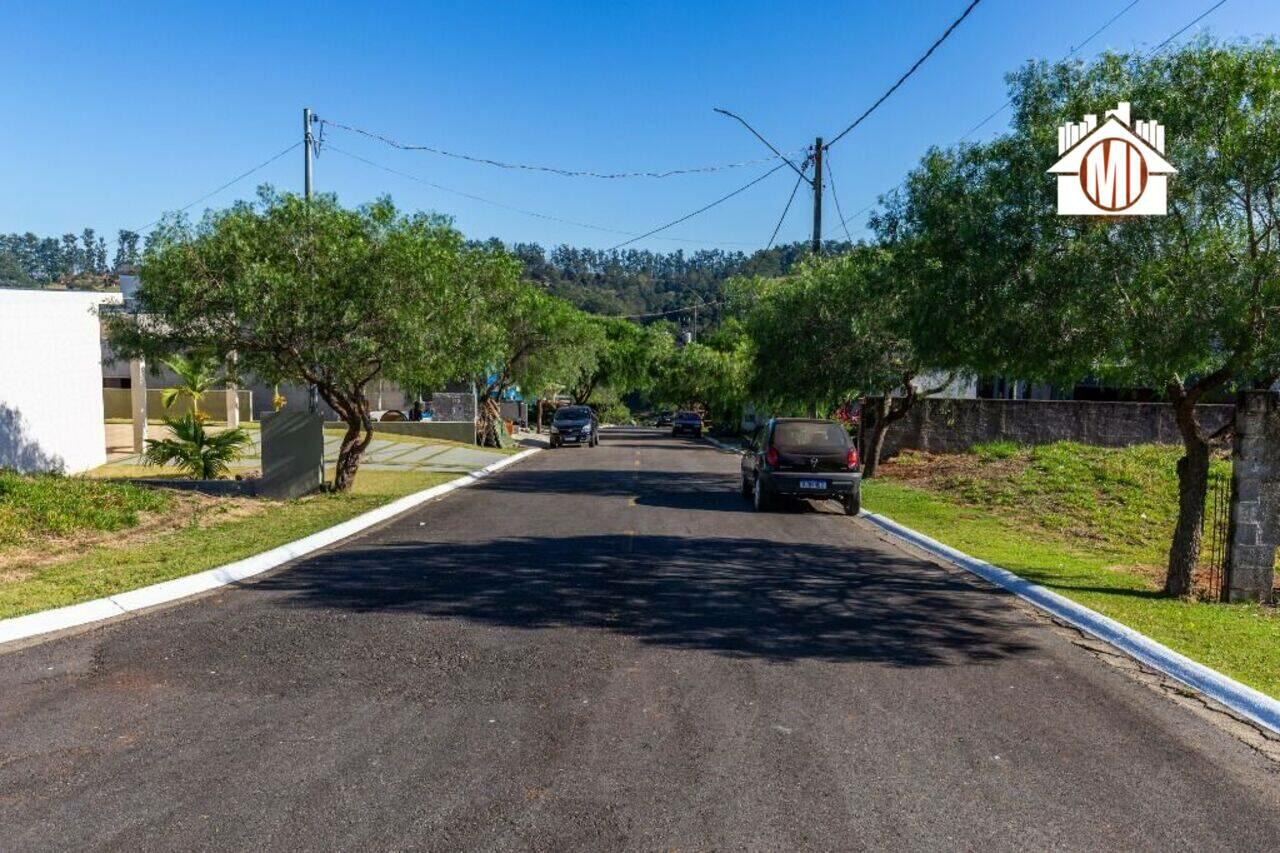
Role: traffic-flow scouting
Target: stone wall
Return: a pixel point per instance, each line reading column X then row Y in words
column 1254, row 528
column 952, row 426
column 453, row 406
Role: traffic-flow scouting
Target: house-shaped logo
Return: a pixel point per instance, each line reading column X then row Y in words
column 1113, row 169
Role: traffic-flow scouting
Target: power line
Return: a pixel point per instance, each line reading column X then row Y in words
column 702, row 209
column 1068, row 55
column 1206, row 13
column 569, row 173
column 234, row 180
column 832, row 178
column 910, row 71
column 533, row 213
column 664, row 313
column 785, row 211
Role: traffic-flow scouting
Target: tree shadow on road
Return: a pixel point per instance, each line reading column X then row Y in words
column 747, row 598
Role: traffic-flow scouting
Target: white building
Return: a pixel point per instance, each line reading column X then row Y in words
column 51, row 380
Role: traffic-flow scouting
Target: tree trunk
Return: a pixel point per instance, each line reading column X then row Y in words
column 539, row 426
column 490, row 414
column 1193, row 485
column 875, row 443
column 352, row 449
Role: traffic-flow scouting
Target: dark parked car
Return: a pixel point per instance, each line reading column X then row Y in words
column 575, row 425
column 664, row 419
column 799, row 458
column 687, row 423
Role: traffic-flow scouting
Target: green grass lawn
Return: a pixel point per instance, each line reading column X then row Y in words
column 1091, row 524
column 216, row 532
column 34, row 508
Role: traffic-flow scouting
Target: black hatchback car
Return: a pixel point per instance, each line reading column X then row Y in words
column 687, row 423
column 575, row 425
column 800, row 458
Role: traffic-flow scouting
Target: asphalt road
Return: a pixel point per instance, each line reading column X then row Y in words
column 606, row 649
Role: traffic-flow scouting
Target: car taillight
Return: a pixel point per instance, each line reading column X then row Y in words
column 853, row 457
column 771, row 457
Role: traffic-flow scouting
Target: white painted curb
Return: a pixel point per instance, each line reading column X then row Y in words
column 47, row 621
column 1242, row 699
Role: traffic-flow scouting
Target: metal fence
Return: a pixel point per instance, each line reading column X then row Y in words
column 1213, row 535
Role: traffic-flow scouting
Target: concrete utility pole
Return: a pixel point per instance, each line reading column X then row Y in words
column 817, row 196
column 307, row 143
column 308, row 190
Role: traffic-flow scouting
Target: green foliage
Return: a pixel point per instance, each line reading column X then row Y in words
column 628, row 358
column 200, row 454
column 635, row 281
column 834, row 330
column 197, row 372
column 1005, row 285
column 311, row 292
column 33, row 507
column 711, row 374
column 1122, row 499
column 993, row 451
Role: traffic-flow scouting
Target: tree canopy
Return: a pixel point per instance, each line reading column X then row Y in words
column 316, row 293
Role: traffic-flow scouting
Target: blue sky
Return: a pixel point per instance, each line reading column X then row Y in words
column 117, row 112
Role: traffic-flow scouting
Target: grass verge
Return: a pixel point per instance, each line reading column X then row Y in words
column 208, row 538
column 1022, row 522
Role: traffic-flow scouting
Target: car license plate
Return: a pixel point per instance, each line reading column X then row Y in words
column 813, row 484
column 569, row 438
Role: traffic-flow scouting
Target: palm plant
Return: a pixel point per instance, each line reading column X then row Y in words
column 202, row 455
column 196, row 372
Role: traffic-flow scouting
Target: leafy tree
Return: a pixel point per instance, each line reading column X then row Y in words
column 627, row 360
column 312, row 292
column 12, row 273
column 126, row 248
column 711, row 375
column 1186, row 303
column 201, row 454
column 837, row 329
column 535, row 341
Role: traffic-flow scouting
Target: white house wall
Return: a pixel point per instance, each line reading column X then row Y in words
column 51, row 380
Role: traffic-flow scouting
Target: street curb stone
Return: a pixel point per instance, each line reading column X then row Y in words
column 59, row 619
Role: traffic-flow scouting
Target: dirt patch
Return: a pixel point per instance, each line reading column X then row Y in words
column 939, row 472
column 189, row 510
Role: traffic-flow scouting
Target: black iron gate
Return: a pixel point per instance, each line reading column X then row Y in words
column 1215, row 524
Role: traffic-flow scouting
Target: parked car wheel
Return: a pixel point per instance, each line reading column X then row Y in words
column 761, row 500
column 852, row 504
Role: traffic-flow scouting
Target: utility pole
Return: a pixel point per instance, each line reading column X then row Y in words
column 694, row 336
column 817, row 196
column 308, row 143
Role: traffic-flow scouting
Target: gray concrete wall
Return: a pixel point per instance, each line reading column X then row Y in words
column 464, row 431
column 953, row 426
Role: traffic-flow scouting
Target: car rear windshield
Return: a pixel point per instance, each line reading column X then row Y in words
column 810, row 435
column 573, row 413
column 689, row 416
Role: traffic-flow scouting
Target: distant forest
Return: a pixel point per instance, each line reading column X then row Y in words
column 631, row 281
column 75, row 262
column 642, row 282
